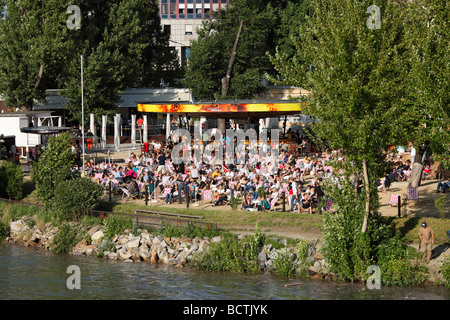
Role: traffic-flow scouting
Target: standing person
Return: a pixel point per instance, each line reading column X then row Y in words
column 78, row 152
column 89, row 139
column 426, row 235
column 161, row 162
column 181, row 186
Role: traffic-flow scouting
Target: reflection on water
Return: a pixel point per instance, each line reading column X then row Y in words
column 27, row 273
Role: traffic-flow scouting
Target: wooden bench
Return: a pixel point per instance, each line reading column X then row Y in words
column 168, row 214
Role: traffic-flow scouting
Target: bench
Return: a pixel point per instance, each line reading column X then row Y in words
column 167, row 214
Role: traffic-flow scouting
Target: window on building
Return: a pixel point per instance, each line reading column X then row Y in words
column 189, row 29
column 167, row 28
column 173, row 9
column 164, row 8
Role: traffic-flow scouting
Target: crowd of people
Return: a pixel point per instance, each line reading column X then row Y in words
column 297, row 180
column 255, row 184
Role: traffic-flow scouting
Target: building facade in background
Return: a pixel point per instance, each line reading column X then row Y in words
column 181, row 19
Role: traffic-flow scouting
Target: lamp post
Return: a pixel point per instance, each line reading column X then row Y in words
column 82, row 109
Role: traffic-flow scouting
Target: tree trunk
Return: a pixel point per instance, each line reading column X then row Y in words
column 40, row 75
column 417, row 167
column 367, row 188
column 226, row 79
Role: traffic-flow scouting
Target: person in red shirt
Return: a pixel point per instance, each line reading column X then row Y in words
column 140, row 122
column 145, row 148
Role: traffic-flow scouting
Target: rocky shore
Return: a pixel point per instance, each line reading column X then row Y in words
column 145, row 247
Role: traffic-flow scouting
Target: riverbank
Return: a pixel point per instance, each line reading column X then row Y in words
column 139, row 245
column 255, row 253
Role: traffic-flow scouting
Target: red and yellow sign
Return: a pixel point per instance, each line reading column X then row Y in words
column 281, row 107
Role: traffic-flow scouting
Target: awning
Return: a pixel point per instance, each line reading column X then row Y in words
column 226, row 109
column 45, row 130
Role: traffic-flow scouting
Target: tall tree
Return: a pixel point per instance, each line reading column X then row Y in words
column 122, row 42
column 31, row 37
column 429, row 43
column 210, row 54
column 123, row 46
column 356, row 74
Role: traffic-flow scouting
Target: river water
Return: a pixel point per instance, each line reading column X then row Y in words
column 33, row 274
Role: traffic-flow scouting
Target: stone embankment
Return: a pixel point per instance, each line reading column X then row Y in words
column 144, row 247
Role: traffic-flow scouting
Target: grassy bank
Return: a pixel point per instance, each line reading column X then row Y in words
column 288, row 222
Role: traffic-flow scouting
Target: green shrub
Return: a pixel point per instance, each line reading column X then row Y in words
column 75, row 197
column 445, row 271
column 347, row 250
column 304, row 259
column 284, row 264
column 192, row 230
column 66, row 238
column 4, row 230
column 106, row 245
column 13, row 211
column 400, row 272
column 114, row 225
column 11, row 181
column 229, row 254
column 440, row 204
column 54, row 166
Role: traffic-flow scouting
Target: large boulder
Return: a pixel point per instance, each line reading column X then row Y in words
column 97, row 236
column 16, row 226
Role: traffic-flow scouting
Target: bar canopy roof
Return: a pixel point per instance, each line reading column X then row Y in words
column 226, row 109
column 46, row 130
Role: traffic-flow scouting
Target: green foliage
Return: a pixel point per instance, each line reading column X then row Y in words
column 67, row 237
column 12, row 212
column 429, row 35
column 234, row 201
column 75, row 197
column 54, row 166
column 346, row 249
column 304, row 258
column 192, row 230
column 284, row 264
column 373, row 88
column 122, row 42
column 4, row 230
column 211, row 51
column 114, row 225
column 400, row 272
column 445, row 271
column 106, row 245
column 231, row 254
column 440, row 204
column 11, row 181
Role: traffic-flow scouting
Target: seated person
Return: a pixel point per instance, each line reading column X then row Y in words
column 443, row 185
column 221, row 196
column 246, row 203
column 134, row 189
column 393, row 176
column 119, row 175
column 426, row 172
column 171, row 194
column 307, row 203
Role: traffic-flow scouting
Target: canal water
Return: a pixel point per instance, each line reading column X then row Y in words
column 33, row 274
